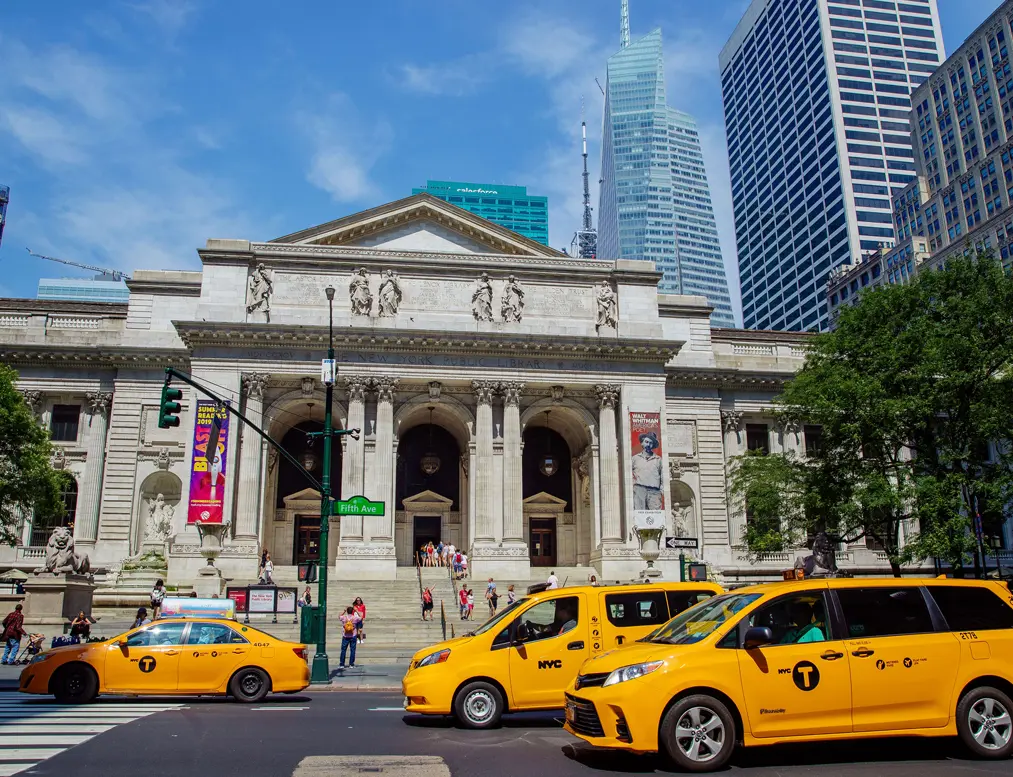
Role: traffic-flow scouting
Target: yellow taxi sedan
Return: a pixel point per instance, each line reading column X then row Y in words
column 186, row 656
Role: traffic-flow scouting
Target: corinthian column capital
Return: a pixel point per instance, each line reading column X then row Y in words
column 385, row 387
column 254, row 384
column 99, row 402
column 608, row 395
column 484, row 390
column 356, row 386
column 511, row 393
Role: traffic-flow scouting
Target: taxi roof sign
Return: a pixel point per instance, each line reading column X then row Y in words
column 192, row 607
column 793, row 574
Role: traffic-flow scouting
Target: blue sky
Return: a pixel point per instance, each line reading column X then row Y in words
column 132, row 130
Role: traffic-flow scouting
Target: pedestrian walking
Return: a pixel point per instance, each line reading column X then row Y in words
column 451, row 553
column 360, row 609
column 142, row 618
column 439, row 554
column 427, row 603
column 511, row 596
column 552, row 582
column 462, row 598
column 267, row 573
column 464, row 565
column 157, row 595
column 13, row 626
column 263, row 560
column 471, row 603
column 491, row 596
column 457, row 565
column 349, row 631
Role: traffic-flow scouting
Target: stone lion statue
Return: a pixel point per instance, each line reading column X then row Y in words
column 61, row 556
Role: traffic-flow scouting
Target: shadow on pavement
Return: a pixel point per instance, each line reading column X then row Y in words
column 522, row 720
column 941, row 750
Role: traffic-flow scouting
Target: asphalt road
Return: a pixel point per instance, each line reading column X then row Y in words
column 272, row 739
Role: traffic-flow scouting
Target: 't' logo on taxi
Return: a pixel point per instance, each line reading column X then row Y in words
column 805, row 675
column 146, row 664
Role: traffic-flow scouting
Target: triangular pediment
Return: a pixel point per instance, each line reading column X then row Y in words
column 420, row 223
column 543, row 499
column 427, row 497
column 306, row 495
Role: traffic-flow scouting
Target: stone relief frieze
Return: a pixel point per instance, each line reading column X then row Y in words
column 259, row 290
column 512, row 308
column 359, row 296
column 389, row 297
column 481, row 299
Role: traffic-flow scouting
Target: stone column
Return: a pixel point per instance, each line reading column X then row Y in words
column 608, row 454
column 513, row 488
column 90, row 498
column 250, row 479
column 484, row 529
column 382, row 527
column 353, row 459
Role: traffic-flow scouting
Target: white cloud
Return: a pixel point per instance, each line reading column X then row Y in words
column 170, row 15
column 343, row 149
column 43, row 135
column 451, row 78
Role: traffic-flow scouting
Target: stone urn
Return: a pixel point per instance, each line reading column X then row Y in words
column 650, row 549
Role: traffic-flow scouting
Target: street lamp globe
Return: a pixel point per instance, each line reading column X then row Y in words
column 329, row 291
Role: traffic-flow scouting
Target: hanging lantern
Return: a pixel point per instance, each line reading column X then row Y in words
column 548, row 464
column 309, row 460
column 430, row 462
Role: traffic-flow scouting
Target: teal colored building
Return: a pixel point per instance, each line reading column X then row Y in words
column 509, row 206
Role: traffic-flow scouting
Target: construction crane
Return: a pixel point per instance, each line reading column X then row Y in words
column 585, row 241
column 116, row 275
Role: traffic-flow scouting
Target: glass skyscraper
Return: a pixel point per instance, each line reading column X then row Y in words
column 817, row 107
column 509, row 206
column 655, row 200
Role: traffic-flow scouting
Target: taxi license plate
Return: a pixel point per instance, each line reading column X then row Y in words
column 571, row 712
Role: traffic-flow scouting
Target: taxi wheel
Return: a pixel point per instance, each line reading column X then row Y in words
column 478, row 705
column 985, row 724
column 249, row 685
column 75, row 684
column 698, row 733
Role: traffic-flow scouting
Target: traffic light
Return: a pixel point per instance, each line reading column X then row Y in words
column 170, row 407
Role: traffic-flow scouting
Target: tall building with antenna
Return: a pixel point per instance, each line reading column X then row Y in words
column 585, row 241
column 654, row 200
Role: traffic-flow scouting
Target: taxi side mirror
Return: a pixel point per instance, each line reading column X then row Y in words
column 757, row 636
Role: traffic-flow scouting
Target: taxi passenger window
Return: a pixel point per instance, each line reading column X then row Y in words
column 643, row 609
column 549, row 619
column 884, row 612
column 213, row 634
column 794, row 620
column 969, row 608
column 159, row 635
column 683, row 600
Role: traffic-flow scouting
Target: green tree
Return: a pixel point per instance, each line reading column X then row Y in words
column 912, row 391
column 28, row 483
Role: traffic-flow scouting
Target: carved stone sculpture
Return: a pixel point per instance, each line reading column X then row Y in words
column 682, row 519
column 34, row 401
column 359, row 295
column 585, row 480
column 162, row 461
column 608, row 306
column 159, row 522
column 259, row 289
column 513, row 301
column 731, row 420
column 59, row 459
column 481, row 299
column 61, row 557
column 308, row 387
column 390, row 294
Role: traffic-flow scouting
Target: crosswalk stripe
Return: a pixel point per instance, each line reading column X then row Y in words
column 33, row 729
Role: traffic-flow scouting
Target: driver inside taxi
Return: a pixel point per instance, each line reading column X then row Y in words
column 566, row 616
column 803, row 629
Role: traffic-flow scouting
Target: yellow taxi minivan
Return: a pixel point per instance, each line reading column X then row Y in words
column 525, row 657
column 806, row 661
column 177, row 655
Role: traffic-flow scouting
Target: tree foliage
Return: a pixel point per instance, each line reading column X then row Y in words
column 28, row 483
column 913, row 390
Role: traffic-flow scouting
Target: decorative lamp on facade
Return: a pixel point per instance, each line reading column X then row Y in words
column 548, row 463
column 430, row 462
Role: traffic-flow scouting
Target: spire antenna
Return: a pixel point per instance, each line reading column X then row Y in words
column 585, row 242
column 624, row 25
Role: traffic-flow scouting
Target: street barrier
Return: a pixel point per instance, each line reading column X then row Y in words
column 264, row 600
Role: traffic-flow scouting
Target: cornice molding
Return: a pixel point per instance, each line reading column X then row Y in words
column 726, row 378
column 196, row 334
column 42, row 306
column 771, row 336
column 90, row 355
column 165, row 288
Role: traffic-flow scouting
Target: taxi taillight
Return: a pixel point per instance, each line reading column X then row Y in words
column 300, row 651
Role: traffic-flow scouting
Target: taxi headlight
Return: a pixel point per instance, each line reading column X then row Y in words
column 632, row 672
column 433, row 658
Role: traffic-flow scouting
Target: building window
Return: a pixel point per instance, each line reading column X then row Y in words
column 757, row 438
column 44, row 526
column 63, row 422
column 812, row 437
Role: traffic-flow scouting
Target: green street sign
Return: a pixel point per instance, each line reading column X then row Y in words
column 357, row 505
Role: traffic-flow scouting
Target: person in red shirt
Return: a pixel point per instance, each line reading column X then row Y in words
column 463, row 598
column 360, row 609
column 13, row 631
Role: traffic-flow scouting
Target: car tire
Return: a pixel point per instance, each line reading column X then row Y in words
column 698, row 733
column 985, row 722
column 249, row 685
column 478, row 705
column 75, row 684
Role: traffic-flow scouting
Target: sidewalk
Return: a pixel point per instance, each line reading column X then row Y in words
column 369, row 677
column 9, row 677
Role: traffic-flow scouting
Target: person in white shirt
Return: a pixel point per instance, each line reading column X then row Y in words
column 464, row 565
column 552, row 582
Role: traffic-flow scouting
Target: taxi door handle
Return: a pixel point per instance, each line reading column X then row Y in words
column 863, row 653
column 620, row 640
column 238, row 650
column 579, row 645
column 831, row 655
column 171, row 652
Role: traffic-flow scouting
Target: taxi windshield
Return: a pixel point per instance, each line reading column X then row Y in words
column 701, row 620
column 499, row 617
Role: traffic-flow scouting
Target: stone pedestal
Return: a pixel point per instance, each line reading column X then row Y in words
column 131, row 587
column 209, row 583
column 366, row 561
column 52, row 600
column 502, row 562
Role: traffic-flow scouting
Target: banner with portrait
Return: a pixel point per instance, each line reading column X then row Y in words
column 647, row 470
column 207, row 472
